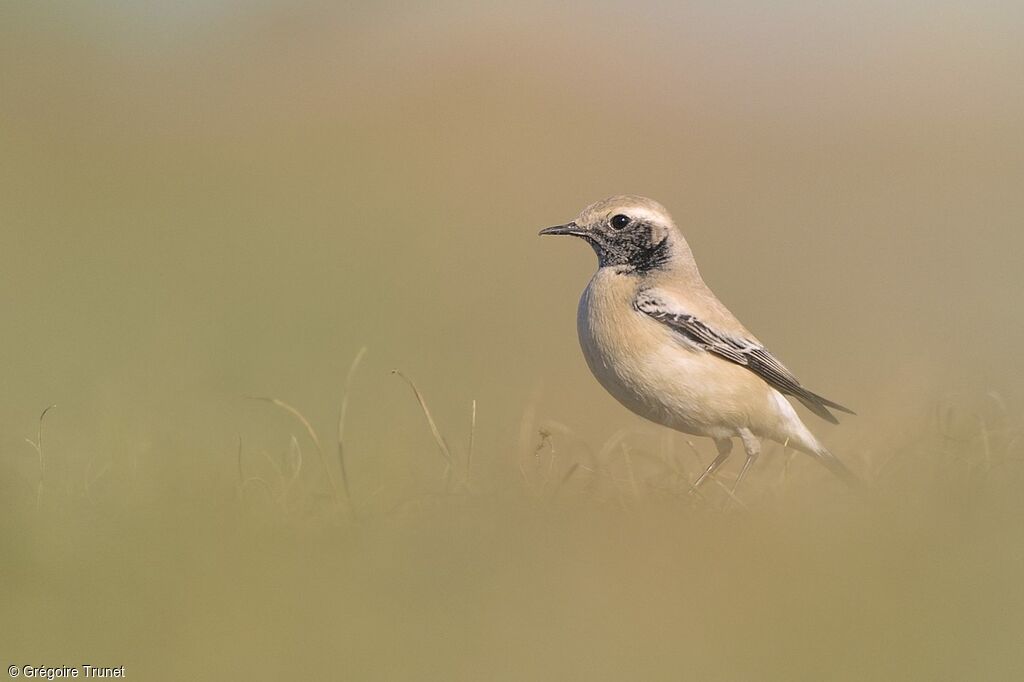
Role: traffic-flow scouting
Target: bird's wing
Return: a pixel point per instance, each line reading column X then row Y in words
column 738, row 349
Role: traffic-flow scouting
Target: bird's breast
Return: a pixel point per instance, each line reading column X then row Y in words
column 654, row 371
column 619, row 342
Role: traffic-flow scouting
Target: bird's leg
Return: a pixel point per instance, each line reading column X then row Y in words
column 753, row 447
column 724, row 446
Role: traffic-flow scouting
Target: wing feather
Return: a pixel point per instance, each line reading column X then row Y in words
column 741, row 351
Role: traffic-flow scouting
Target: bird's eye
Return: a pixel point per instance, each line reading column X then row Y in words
column 619, row 221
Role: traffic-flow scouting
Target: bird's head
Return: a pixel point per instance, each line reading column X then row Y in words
column 630, row 233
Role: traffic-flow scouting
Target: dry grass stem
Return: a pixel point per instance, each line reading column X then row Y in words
column 310, row 431
column 38, row 447
column 442, row 445
column 342, row 414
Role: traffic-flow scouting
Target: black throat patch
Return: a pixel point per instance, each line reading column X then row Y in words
column 633, row 250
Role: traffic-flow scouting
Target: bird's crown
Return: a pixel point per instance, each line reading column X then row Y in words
column 631, row 205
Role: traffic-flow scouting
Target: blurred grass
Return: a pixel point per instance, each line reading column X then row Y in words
column 206, row 201
column 614, row 572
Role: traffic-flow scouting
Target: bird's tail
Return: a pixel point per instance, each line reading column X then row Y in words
column 841, row 471
column 820, row 405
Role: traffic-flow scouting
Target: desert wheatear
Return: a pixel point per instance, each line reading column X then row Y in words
column 664, row 346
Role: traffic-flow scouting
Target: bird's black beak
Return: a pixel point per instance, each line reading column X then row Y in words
column 569, row 228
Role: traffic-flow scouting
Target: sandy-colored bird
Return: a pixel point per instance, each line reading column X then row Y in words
column 664, row 346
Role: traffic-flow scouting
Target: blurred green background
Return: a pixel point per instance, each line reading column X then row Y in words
column 204, row 201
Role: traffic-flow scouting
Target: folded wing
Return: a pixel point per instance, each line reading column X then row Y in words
column 742, row 351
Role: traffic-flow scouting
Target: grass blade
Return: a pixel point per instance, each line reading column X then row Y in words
column 342, row 413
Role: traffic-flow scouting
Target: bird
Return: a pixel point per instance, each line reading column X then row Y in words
column 661, row 343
